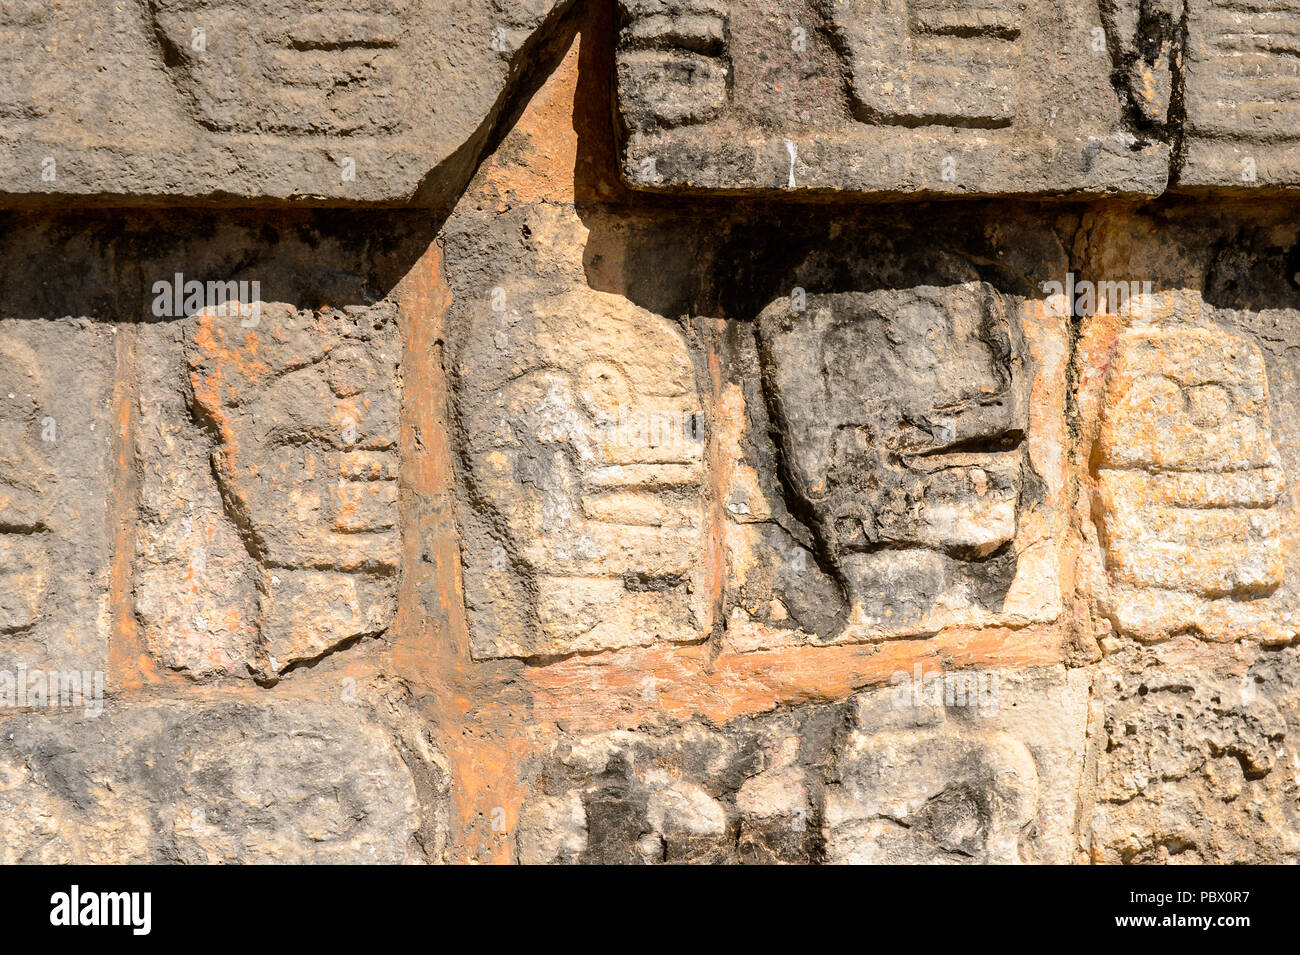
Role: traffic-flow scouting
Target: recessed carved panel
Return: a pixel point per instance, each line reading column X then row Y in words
column 582, row 441
column 1191, row 491
column 1242, row 93
column 289, row 67
column 354, row 100
column 55, row 494
column 907, row 395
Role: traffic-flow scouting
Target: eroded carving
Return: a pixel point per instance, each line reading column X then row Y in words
column 1241, row 94
column 926, row 62
column 673, row 65
column 1143, row 37
column 902, row 415
column 1243, row 74
column 287, row 67
column 304, row 409
column 920, row 796
column 25, row 483
column 894, row 96
column 583, row 448
column 1190, row 484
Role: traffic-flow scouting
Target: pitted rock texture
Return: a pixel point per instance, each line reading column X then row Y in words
column 900, row 401
column 355, row 101
column 55, row 491
column 580, row 433
column 1196, row 757
column 896, row 775
column 643, row 494
column 206, row 783
column 905, row 98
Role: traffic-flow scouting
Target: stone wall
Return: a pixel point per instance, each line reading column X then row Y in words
column 649, row 431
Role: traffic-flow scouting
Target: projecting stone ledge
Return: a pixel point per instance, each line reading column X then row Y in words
column 353, row 101
column 362, row 102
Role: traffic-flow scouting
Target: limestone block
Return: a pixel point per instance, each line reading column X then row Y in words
column 351, row 100
column 925, row 780
column 914, row 404
column 1242, row 95
column 893, row 97
column 56, row 493
column 287, row 545
column 1191, row 465
column 202, row 783
column 580, row 433
column 749, row 791
column 1195, row 762
column 1190, row 483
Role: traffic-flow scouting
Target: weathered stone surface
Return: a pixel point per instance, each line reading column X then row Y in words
column 747, row 792
column 579, row 429
column 1241, row 85
column 985, row 773
column 288, row 546
column 354, row 100
column 1196, row 761
column 573, row 523
column 912, row 486
column 56, row 491
column 1190, row 482
column 192, row 782
column 1189, row 402
column 924, row 97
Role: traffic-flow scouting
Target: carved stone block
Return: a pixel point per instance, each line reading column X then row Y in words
column 1190, row 482
column 971, row 778
column 891, row 97
column 583, row 457
column 354, row 100
column 908, row 394
column 55, row 493
column 289, row 545
column 581, row 442
column 1188, row 408
column 209, row 782
column 1242, row 95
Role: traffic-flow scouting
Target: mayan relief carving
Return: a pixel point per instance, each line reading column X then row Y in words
column 898, row 398
column 55, row 495
column 969, row 776
column 922, row 63
column 357, row 100
column 892, row 807
column 1242, row 93
column 1190, row 483
column 26, row 482
column 303, row 408
column 533, row 431
column 674, row 63
column 584, row 457
column 945, row 98
column 902, row 424
column 300, row 69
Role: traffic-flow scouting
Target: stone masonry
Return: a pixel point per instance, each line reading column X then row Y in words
column 650, row 431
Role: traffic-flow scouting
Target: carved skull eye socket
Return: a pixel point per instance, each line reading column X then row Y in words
column 1163, row 397
column 604, row 391
column 1209, row 405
